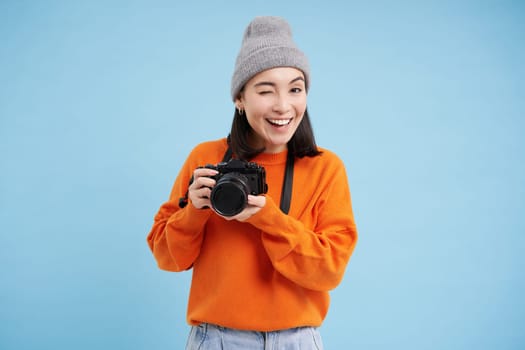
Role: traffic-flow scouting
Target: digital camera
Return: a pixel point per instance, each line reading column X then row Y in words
column 236, row 179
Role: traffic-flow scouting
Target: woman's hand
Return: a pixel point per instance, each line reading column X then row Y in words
column 255, row 203
column 200, row 189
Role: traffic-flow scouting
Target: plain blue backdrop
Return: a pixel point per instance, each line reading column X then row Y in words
column 101, row 101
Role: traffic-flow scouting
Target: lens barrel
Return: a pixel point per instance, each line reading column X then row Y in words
column 230, row 194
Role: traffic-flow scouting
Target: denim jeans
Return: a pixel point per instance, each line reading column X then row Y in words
column 210, row 337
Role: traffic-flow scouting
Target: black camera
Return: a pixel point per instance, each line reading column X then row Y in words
column 234, row 182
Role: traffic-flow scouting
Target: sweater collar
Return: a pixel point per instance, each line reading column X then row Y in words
column 271, row 158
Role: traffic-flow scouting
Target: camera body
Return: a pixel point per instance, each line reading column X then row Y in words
column 235, row 180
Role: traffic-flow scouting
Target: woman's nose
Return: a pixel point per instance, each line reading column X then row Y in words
column 282, row 104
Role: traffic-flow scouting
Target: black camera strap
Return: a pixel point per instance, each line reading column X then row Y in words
column 286, row 191
column 228, row 155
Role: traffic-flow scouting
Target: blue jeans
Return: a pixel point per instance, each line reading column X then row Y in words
column 210, row 337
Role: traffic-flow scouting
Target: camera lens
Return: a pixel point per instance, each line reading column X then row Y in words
column 230, row 194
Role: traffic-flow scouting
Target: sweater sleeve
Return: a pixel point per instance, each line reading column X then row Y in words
column 312, row 258
column 177, row 233
column 176, row 236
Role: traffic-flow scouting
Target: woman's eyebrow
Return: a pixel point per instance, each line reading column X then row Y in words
column 261, row 83
column 297, row 79
column 264, row 83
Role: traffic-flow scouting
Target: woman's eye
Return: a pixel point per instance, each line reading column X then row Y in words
column 296, row 90
column 265, row 92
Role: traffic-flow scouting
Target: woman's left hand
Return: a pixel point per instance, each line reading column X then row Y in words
column 255, row 203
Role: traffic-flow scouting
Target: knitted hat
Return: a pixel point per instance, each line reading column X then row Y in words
column 267, row 43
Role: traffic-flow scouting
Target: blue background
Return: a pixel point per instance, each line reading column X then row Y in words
column 101, row 101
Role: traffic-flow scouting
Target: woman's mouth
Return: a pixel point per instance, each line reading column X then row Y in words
column 279, row 122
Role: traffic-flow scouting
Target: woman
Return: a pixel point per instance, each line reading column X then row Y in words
column 261, row 276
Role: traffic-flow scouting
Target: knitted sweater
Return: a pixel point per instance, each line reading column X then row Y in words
column 273, row 271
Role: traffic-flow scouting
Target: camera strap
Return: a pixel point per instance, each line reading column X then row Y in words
column 228, row 155
column 286, row 191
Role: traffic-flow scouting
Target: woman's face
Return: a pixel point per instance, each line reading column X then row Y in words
column 274, row 102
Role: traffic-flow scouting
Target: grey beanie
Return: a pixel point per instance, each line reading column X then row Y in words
column 267, row 43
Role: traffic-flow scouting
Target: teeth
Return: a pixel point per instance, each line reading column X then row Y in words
column 280, row 121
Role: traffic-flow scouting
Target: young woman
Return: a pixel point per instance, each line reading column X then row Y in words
column 261, row 276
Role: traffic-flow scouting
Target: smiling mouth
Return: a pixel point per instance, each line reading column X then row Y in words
column 279, row 122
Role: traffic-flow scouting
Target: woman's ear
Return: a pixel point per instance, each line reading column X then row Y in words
column 239, row 101
column 239, row 105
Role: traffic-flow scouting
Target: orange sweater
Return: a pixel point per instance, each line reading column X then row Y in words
column 273, row 271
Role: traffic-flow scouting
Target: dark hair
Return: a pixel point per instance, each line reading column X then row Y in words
column 302, row 144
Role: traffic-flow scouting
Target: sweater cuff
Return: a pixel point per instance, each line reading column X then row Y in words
column 273, row 221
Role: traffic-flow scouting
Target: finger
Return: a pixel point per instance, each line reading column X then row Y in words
column 244, row 215
column 202, row 182
column 203, row 192
column 200, row 172
column 257, row 201
column 200, row 198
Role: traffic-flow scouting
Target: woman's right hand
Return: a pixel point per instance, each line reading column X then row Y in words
column 200, row 189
